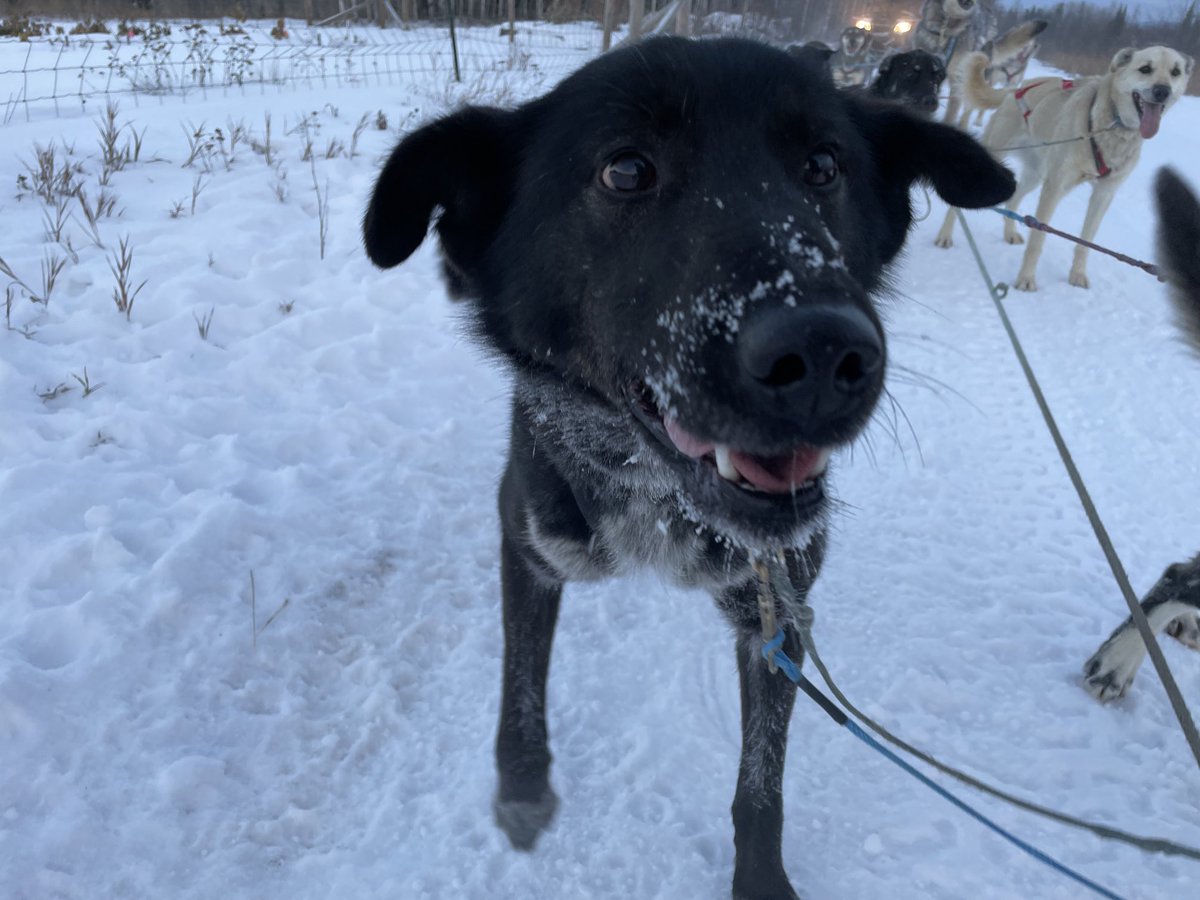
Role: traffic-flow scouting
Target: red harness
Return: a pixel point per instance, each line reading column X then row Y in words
column 1102, row 168
column 1019, row 95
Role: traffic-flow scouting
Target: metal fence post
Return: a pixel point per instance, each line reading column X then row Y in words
column 453, row 41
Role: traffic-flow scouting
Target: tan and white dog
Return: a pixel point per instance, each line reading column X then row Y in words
column 1099, row 122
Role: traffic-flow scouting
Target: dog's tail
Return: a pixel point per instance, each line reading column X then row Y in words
column 1179, row 249
column 1014, row 41
column 976, row 89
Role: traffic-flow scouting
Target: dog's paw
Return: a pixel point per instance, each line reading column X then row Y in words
column 1025, row 283
column 1013, row 237
column 1186, row 630
column 1108, row 674
column 944, row 241
column 1079, row 279
column 523, row 821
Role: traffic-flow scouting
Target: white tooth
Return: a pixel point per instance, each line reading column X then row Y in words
column 822, row 462
column 725, row 463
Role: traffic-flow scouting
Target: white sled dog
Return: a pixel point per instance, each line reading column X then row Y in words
column 1101, row 121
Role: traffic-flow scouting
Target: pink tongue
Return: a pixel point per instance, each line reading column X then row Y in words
column 1151, row 119
column 776, row 474
column 687, row 443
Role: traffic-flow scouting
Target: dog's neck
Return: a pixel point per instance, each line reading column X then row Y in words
column 1104, row 116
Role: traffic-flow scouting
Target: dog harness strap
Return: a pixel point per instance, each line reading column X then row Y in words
column 1026, row 109
column 1019, row 97
column 1102, row 168
column 766, row 610
column 951, row 48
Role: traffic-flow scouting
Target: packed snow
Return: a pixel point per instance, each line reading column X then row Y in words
column 251, row 642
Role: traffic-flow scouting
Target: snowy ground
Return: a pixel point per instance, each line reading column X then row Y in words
column 337, row 437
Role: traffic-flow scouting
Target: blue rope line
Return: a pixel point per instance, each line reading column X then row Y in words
column 1037, row 854
column 1015, row 216
column 773, row 650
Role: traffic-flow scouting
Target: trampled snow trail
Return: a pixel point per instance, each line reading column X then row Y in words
column 337, row 436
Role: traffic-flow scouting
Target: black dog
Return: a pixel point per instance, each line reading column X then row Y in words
column 1173, row 604
column 675, row 250
column 912, row 78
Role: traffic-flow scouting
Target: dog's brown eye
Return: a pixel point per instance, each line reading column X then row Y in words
column 1175, row 72
column 628, row 171
column 1146, row 69
column 821, row 169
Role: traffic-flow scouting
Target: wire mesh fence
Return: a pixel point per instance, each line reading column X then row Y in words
column 47, row 70
column 55, row 74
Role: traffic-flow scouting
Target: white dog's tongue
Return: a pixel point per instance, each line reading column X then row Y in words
column 1151, row 119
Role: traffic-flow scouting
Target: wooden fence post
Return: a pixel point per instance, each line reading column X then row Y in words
column 609, row 10
column 683, row 19
column 637, row 11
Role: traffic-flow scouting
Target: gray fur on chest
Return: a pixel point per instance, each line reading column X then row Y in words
column 644, row 535
column 637, row 514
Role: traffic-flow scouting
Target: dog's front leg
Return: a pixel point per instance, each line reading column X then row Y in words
column 525, row 802
column 1098, row 203
column 767, row 700
column 1052, row 193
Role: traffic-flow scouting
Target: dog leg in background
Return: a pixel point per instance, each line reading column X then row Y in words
column 1102, row 197
column 952, row 106
column 1171, row 605
column 1000, row 131
column 1052, row 194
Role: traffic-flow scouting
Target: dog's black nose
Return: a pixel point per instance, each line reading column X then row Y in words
column 821, row 360
column 1160, row 93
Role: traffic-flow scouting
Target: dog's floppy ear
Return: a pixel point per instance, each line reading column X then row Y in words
column 1188, row 63
column 908, row 148
column 464, row 165
column 1122, row 58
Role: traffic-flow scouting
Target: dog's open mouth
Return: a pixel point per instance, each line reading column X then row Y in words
column 782, row 474
column 1149, row 115
column 795, row 474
